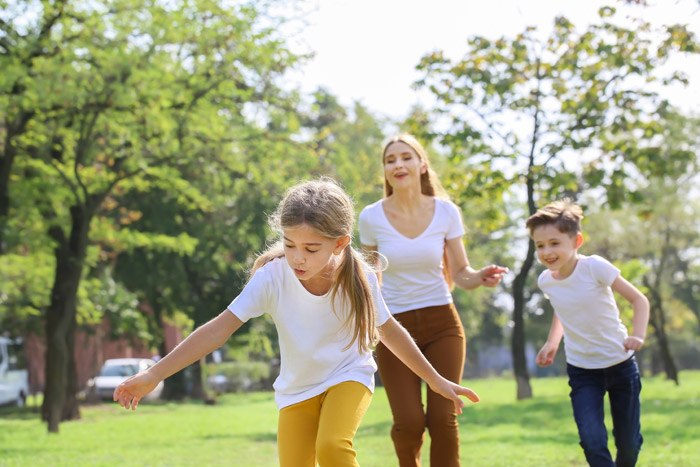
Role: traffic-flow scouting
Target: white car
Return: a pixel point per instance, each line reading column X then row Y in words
column 14, row 377
column 116, row 370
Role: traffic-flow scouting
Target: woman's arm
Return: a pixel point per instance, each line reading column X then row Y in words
column 462, row 273
column 201, row 342
column 640, row 307
column 399, row 341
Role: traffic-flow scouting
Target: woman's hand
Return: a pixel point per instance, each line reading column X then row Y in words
column 131, row 391
column 492, row 275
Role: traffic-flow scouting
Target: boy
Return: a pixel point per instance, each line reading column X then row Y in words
column 599, row 353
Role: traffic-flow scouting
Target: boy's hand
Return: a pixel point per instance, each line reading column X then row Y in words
column 545, row 356
column 633, row 343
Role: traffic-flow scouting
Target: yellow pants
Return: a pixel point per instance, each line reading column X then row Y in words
column 321, row 429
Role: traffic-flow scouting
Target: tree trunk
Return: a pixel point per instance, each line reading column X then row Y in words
column 7, row 158
column 175, row 386
column 522, row 377
column 61, row 383
column 198, row 389
column 657, row 318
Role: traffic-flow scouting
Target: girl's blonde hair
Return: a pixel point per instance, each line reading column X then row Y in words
column 324, row 206
column 429, row 185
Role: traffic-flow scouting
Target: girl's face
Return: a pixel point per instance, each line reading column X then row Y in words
column 558, row 251
column 313, row 257
column 402, row 166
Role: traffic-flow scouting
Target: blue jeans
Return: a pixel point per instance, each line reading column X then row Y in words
column 588, row 388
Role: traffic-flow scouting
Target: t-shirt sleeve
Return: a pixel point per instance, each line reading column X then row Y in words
column 455, row 227
column 603, row 270
column 366, row 229
column 382, row 313
column 254, row 299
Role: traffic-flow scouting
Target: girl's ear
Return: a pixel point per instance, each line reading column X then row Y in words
column 423, row 167
column 340, row 244
column 579, row 240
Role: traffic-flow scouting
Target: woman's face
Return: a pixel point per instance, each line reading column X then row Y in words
column 402, row 166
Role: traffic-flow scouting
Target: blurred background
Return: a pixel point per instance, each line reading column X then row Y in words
column 145, row 142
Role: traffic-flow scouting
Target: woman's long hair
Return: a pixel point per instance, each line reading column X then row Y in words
column 324, row 206
column 429, row 185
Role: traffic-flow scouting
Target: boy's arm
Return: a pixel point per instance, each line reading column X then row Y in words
column 640, row 306
column 399, row 341
column 201, row 342
column 545, row 356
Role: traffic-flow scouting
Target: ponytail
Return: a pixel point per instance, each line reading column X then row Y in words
column 352, row 281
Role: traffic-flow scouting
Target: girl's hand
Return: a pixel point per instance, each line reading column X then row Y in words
column 492, row 275
column 545, row 356
column 633, row 343
column 450, row 390
column 131, row 391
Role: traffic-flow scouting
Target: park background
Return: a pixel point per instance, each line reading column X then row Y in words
column 145, row 142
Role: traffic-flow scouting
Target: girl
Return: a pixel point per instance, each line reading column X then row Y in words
column 325, row 304
column 415, row 228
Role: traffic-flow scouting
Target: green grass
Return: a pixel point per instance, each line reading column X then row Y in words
column 241, row 430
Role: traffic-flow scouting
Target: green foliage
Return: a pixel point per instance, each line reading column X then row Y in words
column 241, row 375
column 536, row 106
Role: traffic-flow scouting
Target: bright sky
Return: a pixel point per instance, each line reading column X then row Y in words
column 366, row 50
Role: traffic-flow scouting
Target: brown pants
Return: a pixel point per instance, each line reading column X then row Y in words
column 438, row 333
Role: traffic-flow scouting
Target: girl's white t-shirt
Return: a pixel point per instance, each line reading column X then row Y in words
column 585, row 305
column 311, row 335
column 413, row 277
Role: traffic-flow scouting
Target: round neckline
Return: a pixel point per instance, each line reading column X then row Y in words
column 295, row 279
column 573, row 271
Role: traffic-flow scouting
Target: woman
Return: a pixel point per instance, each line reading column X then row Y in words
column 416, row 229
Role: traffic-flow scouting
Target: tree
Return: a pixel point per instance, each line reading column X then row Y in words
column 542, row 118
column 128, row 100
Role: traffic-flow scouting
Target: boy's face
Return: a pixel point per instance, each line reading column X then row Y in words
column 558, row 251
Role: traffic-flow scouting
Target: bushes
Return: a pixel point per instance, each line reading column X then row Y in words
column 235, row 376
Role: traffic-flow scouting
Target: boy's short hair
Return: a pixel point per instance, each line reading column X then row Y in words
column 564, row 214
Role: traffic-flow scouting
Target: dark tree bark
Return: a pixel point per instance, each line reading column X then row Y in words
column 61, row 380
column 657, row 319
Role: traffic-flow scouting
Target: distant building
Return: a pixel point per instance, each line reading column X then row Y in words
column 91, row 350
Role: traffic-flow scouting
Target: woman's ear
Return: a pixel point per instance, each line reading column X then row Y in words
column 340, row 244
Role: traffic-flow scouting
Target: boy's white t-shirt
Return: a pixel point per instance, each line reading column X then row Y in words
column 413, row 278
column 585, row 305
column 311, row 335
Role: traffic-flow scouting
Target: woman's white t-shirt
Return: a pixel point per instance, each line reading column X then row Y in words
column 585, row 305
column 311, row 335
column 413, row 278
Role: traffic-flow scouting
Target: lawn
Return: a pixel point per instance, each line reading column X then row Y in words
column 241, row 430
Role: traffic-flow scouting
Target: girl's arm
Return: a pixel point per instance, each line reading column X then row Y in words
column 640, row 307
column 545, row 356
column 463, row 275
column 399, row 341
column 201, row 342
